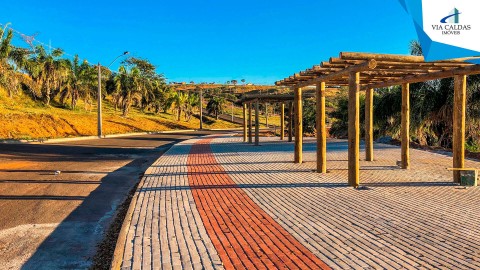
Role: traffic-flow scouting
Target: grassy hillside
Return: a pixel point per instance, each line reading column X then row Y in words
column 23, row 118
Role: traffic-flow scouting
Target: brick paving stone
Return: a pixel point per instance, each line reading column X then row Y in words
column 208, row 198
column 166, row 231
column 243, row 234
column 406, row 219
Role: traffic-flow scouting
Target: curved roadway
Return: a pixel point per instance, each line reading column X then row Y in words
column 52, row 220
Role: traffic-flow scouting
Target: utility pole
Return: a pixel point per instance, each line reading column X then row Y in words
column 201, row 108
column 99, row 102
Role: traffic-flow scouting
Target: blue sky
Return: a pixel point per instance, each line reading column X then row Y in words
column 215, row 40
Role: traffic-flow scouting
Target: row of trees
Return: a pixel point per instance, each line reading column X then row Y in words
column 50, row 77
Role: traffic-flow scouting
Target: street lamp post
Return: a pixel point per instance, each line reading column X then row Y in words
column 99, row 95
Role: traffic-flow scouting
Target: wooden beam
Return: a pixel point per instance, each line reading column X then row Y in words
column 339, row 61
column 395, row 73
column 369, row 124
column 250, row 122
column 469, row 70
column 257, row 125
column 290, row 121
column 298, row 155
column 321, row 130
column 282, row 121
column 201, row 108
column 405, row 132
column 354, row 129
column 245, row 139
column 459, row 111
column 368, row 65
column 273, row 98
column 386, row 69
column 380, row 57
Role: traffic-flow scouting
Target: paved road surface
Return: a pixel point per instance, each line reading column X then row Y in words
column 54, row 221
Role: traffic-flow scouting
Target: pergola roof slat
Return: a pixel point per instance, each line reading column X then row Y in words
column 380, row 57
column 470, row 70
column 379, row 70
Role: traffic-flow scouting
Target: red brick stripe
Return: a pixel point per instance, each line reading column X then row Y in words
column 243, row 234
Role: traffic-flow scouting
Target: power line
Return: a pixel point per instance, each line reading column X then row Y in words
column 31, row 39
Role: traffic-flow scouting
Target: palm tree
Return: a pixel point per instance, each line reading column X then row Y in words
column 81, row 79
column 88, row 82
column 10, row 59
column 128, row 88
column 215, row 106
column 5, row 70
column 415, row 48
column 193, row 101
column 161, row 93
column 179, row 101
column 49, row 71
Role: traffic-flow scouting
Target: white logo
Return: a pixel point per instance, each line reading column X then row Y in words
column 453, row 22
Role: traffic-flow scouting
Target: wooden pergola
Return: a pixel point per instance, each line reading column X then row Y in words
column 366, row 72
column 250, row 100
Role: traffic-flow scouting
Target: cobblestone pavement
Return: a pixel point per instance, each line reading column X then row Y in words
column 404, row 219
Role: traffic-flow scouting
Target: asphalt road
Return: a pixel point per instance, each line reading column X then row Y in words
column 53, row 221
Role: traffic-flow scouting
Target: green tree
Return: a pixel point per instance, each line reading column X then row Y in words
column 415, row 48
column 215, row 106
column 10, row 59
column 192, row 102
column 48, row 71
column 179, row 101
column 82, row 81
column 128, row 88
column 5, row 69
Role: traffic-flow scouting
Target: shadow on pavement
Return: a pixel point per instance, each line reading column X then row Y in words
column 73, row 242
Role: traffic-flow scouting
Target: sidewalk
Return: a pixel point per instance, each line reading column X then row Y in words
column 218, row 203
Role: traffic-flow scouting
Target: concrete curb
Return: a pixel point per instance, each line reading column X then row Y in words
column 82, row 138
column 117, row 259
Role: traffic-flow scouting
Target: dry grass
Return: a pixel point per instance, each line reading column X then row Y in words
column 272, row 119
column 23, row 118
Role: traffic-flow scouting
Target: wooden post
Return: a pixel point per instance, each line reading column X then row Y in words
column 245, row 122
column 282, row 122
column 298, row 156
column 250, row 122
column 354, row 129
column 321, row 130
column 459, row 104
column 201, row 108
column 266, row 114
column 405, row 132
column 369, row 124
column 290, row 121
column 257, row 125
